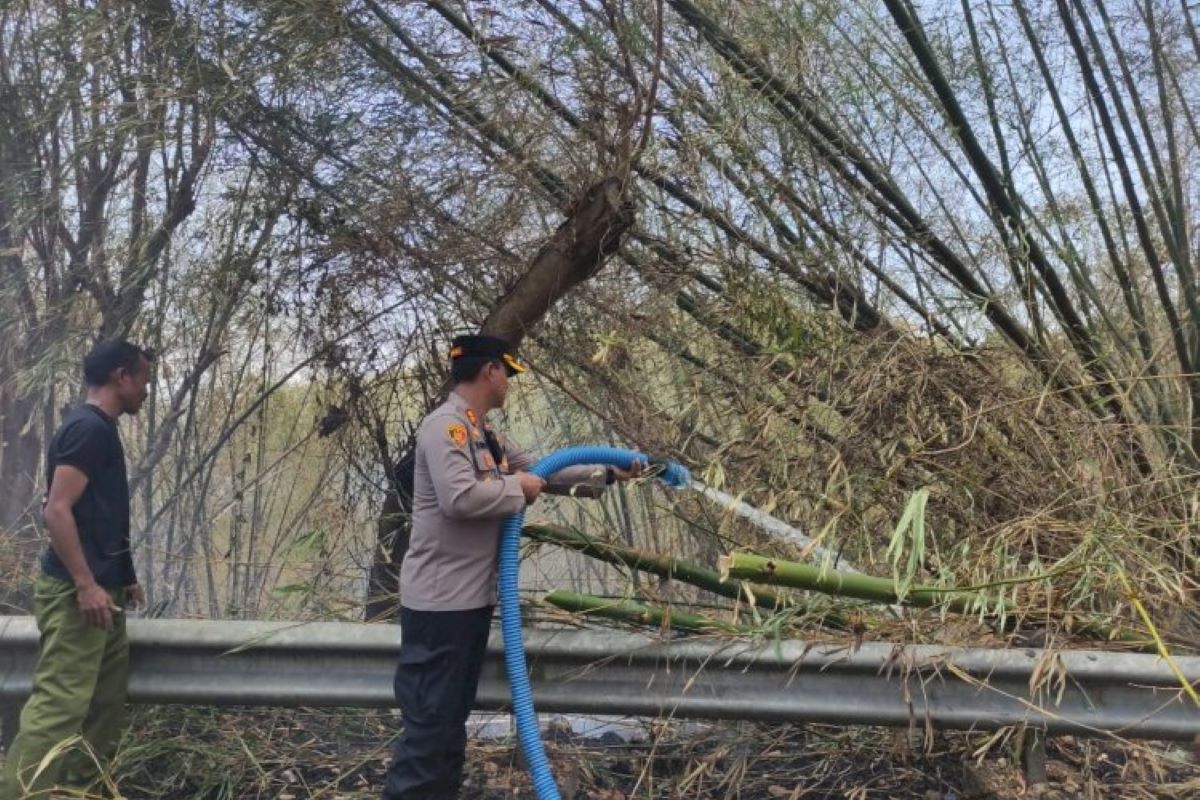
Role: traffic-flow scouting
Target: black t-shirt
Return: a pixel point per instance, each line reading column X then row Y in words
column 88, row 441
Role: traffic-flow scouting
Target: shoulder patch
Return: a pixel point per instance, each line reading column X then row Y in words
column 457, row 433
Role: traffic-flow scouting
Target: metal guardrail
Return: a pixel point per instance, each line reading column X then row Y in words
column 351, row 665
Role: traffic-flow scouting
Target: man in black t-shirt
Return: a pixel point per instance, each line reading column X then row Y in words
column 87, row 579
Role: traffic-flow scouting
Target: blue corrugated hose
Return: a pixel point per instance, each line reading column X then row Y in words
column 674, row 475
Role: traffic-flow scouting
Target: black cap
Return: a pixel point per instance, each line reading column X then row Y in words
column 490, row 347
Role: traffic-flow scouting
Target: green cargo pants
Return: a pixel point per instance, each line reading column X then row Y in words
column 77, row 709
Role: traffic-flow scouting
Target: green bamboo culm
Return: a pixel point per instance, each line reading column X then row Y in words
column 747, row 566
column 777, row 572
column 664, row 566
column 688, row 572
column 632, row 612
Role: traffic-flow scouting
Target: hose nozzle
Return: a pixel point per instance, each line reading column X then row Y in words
column 672, row 474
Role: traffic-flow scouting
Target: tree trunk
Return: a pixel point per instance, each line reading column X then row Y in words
column 392, row 532
column 20, row 458
column 592, row 232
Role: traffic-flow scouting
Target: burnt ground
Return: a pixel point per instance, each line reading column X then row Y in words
column 299, row 754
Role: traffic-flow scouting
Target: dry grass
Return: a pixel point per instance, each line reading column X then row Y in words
column 298, row 755
column 1030, row 496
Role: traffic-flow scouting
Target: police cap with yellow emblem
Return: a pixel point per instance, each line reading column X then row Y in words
column 490, row 348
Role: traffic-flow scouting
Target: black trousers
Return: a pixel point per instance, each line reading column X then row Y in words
column 441, row 656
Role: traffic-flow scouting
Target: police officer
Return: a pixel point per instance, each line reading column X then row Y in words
column 467, row 479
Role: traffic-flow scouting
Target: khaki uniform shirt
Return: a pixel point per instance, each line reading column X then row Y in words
column 460, row 499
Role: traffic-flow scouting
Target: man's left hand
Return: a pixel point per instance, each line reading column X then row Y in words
column 636, row 470
column 135, row 596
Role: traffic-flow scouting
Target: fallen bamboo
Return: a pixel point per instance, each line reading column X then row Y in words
column 664, row 566
column 636, row 613
column 777, row 572
column 748, row 566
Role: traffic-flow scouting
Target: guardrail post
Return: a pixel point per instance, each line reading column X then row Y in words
column 1033, row 755
column 10, row 716
column 914, row 739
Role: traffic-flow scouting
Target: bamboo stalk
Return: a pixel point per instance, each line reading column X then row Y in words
column 635, row 613
column 747, row 566
column 664, row 566
column 845, row 158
